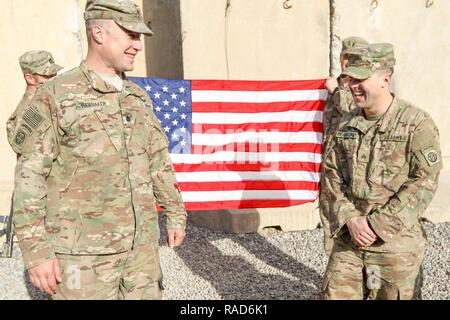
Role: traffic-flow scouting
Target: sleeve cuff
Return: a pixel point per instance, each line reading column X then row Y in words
column 385, row 229
column 38, row 256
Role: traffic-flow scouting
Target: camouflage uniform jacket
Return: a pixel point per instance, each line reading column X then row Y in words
column 337, row 105
column 94, row 164
column 388, row 170
column 12, row 121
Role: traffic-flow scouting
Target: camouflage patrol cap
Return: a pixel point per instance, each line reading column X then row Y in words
column 368, row 59
column 352, row 42
column 124, row 12
column 39, row 62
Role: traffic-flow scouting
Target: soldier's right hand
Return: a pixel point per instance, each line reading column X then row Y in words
column 360, row 231
column 46, row 276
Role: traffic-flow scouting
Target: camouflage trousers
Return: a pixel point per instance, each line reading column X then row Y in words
column 328, row 241
column 356, row 274
column 131, row 275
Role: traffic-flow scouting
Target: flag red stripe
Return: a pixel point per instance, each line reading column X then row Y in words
column 238, row 107
column 268, row 126
column 264, row 167
column 237, row 85
column 248, row 185
column 241, row 204
column 259, row 147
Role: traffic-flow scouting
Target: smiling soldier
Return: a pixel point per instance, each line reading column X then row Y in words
column 383, row 172
column 94, row 164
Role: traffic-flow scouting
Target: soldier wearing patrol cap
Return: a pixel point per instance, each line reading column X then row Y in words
column 94, row 164
column 381, row 174
column 37, row 67
column 339, row 102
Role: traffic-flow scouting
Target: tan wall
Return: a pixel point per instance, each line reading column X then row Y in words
column 261, row 39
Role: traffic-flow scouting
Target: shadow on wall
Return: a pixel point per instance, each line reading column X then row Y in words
column 164, row 50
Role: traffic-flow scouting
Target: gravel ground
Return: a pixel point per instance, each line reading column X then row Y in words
column 269, row 264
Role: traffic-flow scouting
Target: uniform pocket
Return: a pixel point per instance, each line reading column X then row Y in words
column 388, row 166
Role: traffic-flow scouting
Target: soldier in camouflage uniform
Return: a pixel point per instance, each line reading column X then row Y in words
column 37, row 67
column 94, row 164
column 381, row 174
column 339, row 102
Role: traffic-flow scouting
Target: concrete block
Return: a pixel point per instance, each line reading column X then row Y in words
column 302, row 217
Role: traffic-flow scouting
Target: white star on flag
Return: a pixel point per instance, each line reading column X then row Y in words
column 166, row 116
column 165, row 89
column 183, row 116
column 148, row 88
column 182, row 103
column 158, row 109
column 165, row 102
column 157, row 95
column 174, row 96
column 174, row 110
column 166, row 129
column 175, row 122
column 182, row 90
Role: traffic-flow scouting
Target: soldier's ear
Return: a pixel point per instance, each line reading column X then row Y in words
column 387, row 78
column 97, row 33
column 29, row 79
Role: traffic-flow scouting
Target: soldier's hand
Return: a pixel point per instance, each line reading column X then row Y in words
column 360, row 231
column 331, row 84
column 175, row 237
column 46, row 276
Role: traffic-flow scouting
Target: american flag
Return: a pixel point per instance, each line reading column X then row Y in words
column 241, row 144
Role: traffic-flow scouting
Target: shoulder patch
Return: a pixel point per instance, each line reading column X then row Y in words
column 20, row 137
column 431, row 155
column 33, row 117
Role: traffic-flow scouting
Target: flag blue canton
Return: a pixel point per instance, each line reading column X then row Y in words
column 172, row 104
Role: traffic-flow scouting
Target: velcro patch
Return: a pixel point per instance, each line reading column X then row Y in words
column 20, row 137
column 431, row 156
column 81, row 105
column 346, row 135
column 392, row 137
column 32, row 117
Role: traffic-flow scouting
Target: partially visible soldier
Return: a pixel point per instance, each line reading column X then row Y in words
column 92, row 170
column 382, row 173
column 339, row 102
column 37, row 67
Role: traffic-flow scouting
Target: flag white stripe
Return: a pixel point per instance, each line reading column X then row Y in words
column 205, row 196
column 221, row 176
column 224, row 157
column 205, row 139
column 260, row 117
column 257, row 96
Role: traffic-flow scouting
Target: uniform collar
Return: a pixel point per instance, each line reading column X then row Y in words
column 358, row 120
column 95, row 81
column 387, row 120
column 102, row 86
